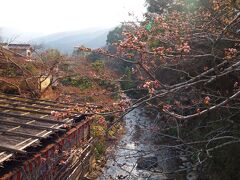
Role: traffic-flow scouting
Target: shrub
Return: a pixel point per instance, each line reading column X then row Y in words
column 98, row 66
column 80, row 82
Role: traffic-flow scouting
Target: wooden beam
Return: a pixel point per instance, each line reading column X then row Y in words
column 10, row 123
column 18, row 116
column 21, row 104
column 11, row 149
column 40, row 101
column 12, row 133
column 24, row 110
column 34, row 101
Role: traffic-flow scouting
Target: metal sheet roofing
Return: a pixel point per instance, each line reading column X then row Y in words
column 24, row 122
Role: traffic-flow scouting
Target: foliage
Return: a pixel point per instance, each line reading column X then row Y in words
column 99, row 129
column 115, row 35
column 31, row 68
column 187, row 56
column 80, row 82
column 111, row 86
column 127, row 82
column 165, row 7
column 10, row 70
column 51, row 55
column 94, row 56
column 100, row 149
column 158, row 6
column 98, row 66
column 107, row 84
column 64, row 67
column 8, row 89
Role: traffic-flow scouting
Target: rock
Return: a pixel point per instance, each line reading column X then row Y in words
column 147, row 163
column 187, row 164
column 192, row 176
column 183, row 158
column 182, row 167
column 122, row 177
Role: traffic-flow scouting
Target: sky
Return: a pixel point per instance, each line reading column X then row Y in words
column 51, row 16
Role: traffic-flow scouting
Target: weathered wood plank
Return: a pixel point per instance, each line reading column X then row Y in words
column 12, row 149
column 30, row 125
column 11, row 133
column 18, row 116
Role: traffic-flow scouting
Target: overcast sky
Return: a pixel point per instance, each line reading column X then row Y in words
column 49, row 16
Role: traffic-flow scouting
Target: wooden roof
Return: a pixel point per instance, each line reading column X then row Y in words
column 6, row 53
column 17, row 46
column 24, row 122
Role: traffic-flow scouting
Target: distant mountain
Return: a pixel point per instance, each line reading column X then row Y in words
column 65, row 41
column 12, row 35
